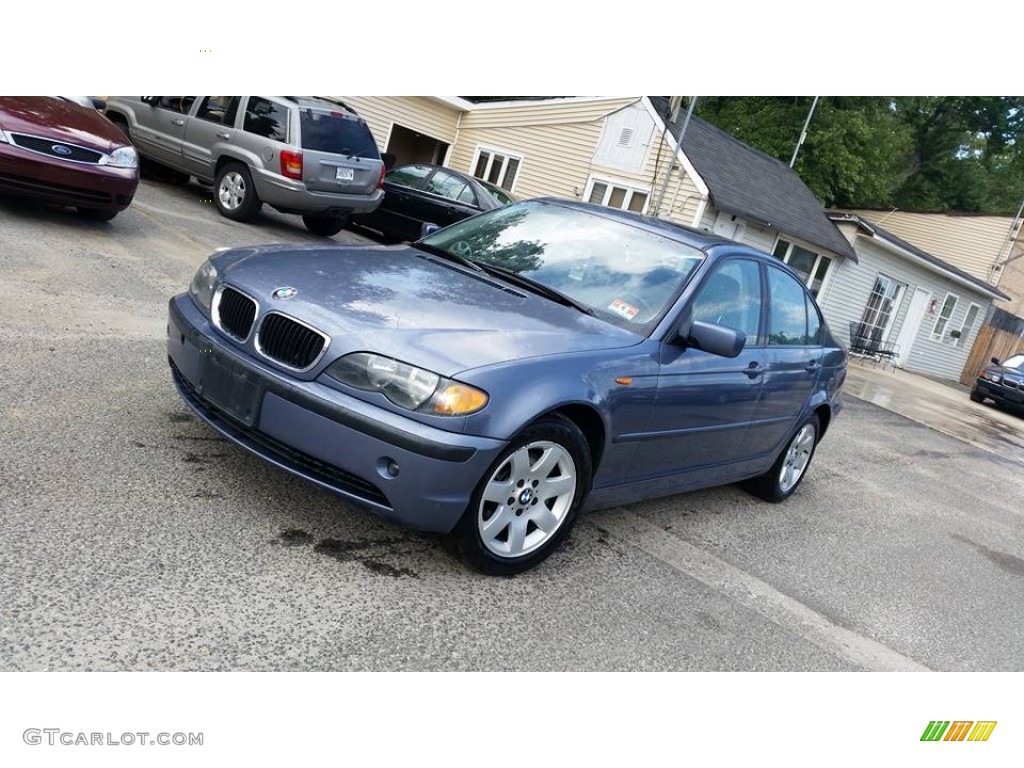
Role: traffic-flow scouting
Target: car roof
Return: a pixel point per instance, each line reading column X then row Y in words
column 320, row 102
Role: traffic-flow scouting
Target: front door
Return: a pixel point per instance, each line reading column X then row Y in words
column 705, row 403
column 912, row 324
column 160, row 128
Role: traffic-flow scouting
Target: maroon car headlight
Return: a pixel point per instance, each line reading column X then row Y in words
column 122, row 157
column 406, row 385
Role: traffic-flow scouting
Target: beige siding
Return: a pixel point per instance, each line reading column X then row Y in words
column 557, row 141
column 415, row 112
column 971, row 243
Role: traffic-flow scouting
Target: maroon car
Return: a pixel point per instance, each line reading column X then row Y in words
column 59, row 152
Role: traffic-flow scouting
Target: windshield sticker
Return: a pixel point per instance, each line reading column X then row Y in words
column 620, row 307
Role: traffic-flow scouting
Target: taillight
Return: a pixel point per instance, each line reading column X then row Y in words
column 291, row 164
column 380, row 181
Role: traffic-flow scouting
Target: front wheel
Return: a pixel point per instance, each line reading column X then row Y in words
column 235, row 194
column 325, row 226
column 977, row 397
column 526, row 503
column 789, row 469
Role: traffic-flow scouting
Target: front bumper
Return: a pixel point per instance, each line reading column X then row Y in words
column 327, row 437
column 53, row 180
column 999, row 392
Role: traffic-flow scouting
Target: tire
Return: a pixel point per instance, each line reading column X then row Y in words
column 977, row 397
column 546, row 470
column 779, row 482
column 235, row 194
column 96, row 214
column 325, row 226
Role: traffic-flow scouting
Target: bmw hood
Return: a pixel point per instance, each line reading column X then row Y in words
column 404, row 303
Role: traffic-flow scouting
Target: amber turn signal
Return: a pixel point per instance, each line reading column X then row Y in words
column 458, row 400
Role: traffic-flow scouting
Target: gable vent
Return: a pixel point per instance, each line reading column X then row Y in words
column 626, row 137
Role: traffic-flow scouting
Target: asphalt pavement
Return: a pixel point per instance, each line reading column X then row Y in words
column 134, row 538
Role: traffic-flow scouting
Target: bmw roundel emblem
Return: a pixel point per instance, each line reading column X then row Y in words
column 60, row 149
column 284, row 293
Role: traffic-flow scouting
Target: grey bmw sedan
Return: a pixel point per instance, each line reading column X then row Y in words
column 501, row 375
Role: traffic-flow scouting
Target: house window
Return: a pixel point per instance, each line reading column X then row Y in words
column 812, row 267
column 497, row 167
column 881, row 309
column 948, row 307
column 616, row 195
column 968, row 325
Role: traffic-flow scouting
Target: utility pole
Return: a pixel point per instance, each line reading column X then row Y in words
column 675, row 153
column 803, row 133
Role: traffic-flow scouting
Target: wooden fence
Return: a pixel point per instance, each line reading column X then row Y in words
column 1001, row 336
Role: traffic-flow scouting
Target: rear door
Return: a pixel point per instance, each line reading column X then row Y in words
column 795, row 359
column 447, row 198
column 338, row 152
column 160, row 129
column 212, row 127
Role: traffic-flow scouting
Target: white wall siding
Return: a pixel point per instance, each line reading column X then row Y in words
column 846, row 295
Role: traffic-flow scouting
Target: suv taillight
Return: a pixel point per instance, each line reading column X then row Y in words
column 380, row 181
column 291, row 164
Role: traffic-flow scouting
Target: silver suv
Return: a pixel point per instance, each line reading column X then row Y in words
column 299, row 154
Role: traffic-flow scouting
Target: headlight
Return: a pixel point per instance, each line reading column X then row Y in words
column 995, row 378
column 406, row 385
column 123, row 157
column 3, row 138
column 201, row 288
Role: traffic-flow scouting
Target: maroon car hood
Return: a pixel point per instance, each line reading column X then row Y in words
column 63, row 121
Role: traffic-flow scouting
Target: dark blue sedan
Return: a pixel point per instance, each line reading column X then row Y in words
column 503, row 373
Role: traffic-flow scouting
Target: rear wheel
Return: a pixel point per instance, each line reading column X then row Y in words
column 96, row 214
column 526, row 503
column 790, row 468
column 235, row 194
column 325, row 226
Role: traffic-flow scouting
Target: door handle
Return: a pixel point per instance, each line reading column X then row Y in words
column 754, row 369
column 177, row 121
column 813, row 367
column 224, row 135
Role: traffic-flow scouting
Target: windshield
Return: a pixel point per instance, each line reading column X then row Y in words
column 1016, row 361
column 335, row 133
column 497, row 193
column 622, row 273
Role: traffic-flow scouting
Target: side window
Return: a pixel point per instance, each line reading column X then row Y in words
column 267, row 119
column 446, row 185
column 408, row 175
column 813, row 324
column 787, row 315
column 180, row 104
column 219, row 109
column 467, row 196
column 731, row 296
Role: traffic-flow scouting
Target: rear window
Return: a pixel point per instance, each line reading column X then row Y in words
column 334, row 133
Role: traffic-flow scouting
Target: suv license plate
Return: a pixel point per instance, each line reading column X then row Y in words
column 344, row 174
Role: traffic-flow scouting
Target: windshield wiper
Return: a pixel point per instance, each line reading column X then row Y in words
column 539, row 288
column 435, row 251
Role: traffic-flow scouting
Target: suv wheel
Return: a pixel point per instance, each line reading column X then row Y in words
column 235, row 194
column 326, row 226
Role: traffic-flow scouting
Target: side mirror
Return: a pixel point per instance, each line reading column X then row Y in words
column 100, row 104
column 428, row 229
column 995, row 361
column 715, row 339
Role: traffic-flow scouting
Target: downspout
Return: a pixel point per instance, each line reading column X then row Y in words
column 1000, row 262
column 451, row 149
